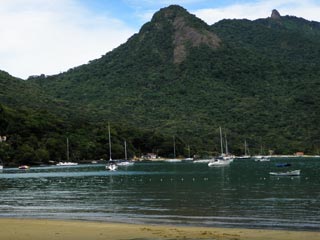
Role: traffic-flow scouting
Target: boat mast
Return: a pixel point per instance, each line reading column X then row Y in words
column 227, row 151
column 245, row 147
column 109, row 142
column 125, row 150
column 174, row 147
column 221, row 143
column 68, row 153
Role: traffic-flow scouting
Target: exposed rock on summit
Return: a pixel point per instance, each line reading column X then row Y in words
column 188, row 31
column 275, row 14
column 185, row 34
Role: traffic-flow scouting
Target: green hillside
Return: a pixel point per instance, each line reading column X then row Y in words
column 39, row 137
column 179, row 76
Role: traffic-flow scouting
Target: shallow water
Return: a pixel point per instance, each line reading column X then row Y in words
column 240, row 195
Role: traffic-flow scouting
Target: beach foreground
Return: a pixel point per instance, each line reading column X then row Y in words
column 24, row 229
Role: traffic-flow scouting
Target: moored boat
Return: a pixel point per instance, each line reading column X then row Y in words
column 66, row 164
column 288, row 173
column 262, row 158
column 217, row 162
column 283, row 165
column 125, row 163
column 173, row 160
column 202, row 161
column 112, row 166
column 24, row 167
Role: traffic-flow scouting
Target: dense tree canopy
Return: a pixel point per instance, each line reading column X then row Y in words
column 260, row 84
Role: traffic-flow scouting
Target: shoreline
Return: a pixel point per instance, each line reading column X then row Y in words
column 45, row 229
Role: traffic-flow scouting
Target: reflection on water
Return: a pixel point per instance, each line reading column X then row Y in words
column 240, row 195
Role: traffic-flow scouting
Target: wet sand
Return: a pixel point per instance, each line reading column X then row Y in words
column 27, row 229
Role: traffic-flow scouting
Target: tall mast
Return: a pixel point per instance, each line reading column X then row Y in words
column 174, row 147
column 125, row 150
column 245, row 147
column 68, row 154
column 109, row 142
column 221, row 143
column 227, row 151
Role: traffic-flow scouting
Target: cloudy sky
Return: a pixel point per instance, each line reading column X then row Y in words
column 51, row 36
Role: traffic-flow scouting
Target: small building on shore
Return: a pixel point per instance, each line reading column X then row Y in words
column 299, row 154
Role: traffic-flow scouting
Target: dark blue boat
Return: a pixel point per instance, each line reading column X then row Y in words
column 283, row 164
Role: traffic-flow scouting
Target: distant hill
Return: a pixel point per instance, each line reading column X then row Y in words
column 259, row 80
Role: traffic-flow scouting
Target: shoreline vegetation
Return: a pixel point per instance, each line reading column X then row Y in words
column 35, row 229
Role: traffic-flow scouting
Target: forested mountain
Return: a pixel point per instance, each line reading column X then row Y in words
column 178, row 76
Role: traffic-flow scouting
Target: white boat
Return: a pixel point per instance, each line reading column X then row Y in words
column 225, row 158
column 1, row 167
column 112, row 166
column 24, row 167
column 125, row 163
column 246, row 155
column 219, row 162
column 173, row 160
column 288, row 173
column 262, row 158
column 66, row 164
column 202, row 160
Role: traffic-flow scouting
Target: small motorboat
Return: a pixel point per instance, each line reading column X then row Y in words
column 24, row 167
column 288, row 173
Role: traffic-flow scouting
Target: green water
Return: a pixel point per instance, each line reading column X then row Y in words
column 240, row 195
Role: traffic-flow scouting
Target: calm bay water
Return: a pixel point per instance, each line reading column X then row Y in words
column 240, row 195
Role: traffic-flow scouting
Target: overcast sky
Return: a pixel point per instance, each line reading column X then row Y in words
column 51, row 36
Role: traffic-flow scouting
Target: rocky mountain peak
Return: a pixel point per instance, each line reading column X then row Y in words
column 275, row 14
column 188, row 30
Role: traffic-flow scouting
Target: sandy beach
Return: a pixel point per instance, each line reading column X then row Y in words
column 26, row 229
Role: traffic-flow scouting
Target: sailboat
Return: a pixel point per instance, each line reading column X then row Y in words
column 112, row 166
column 246, row 155
column 223, row 159
column 174, row 153
column 261, row 158
column 126, row 162
column 67, row 163
column 189, row 158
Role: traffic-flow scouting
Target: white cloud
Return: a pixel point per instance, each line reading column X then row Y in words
column 163, row 2
column 44, row 36
column 307, row 9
